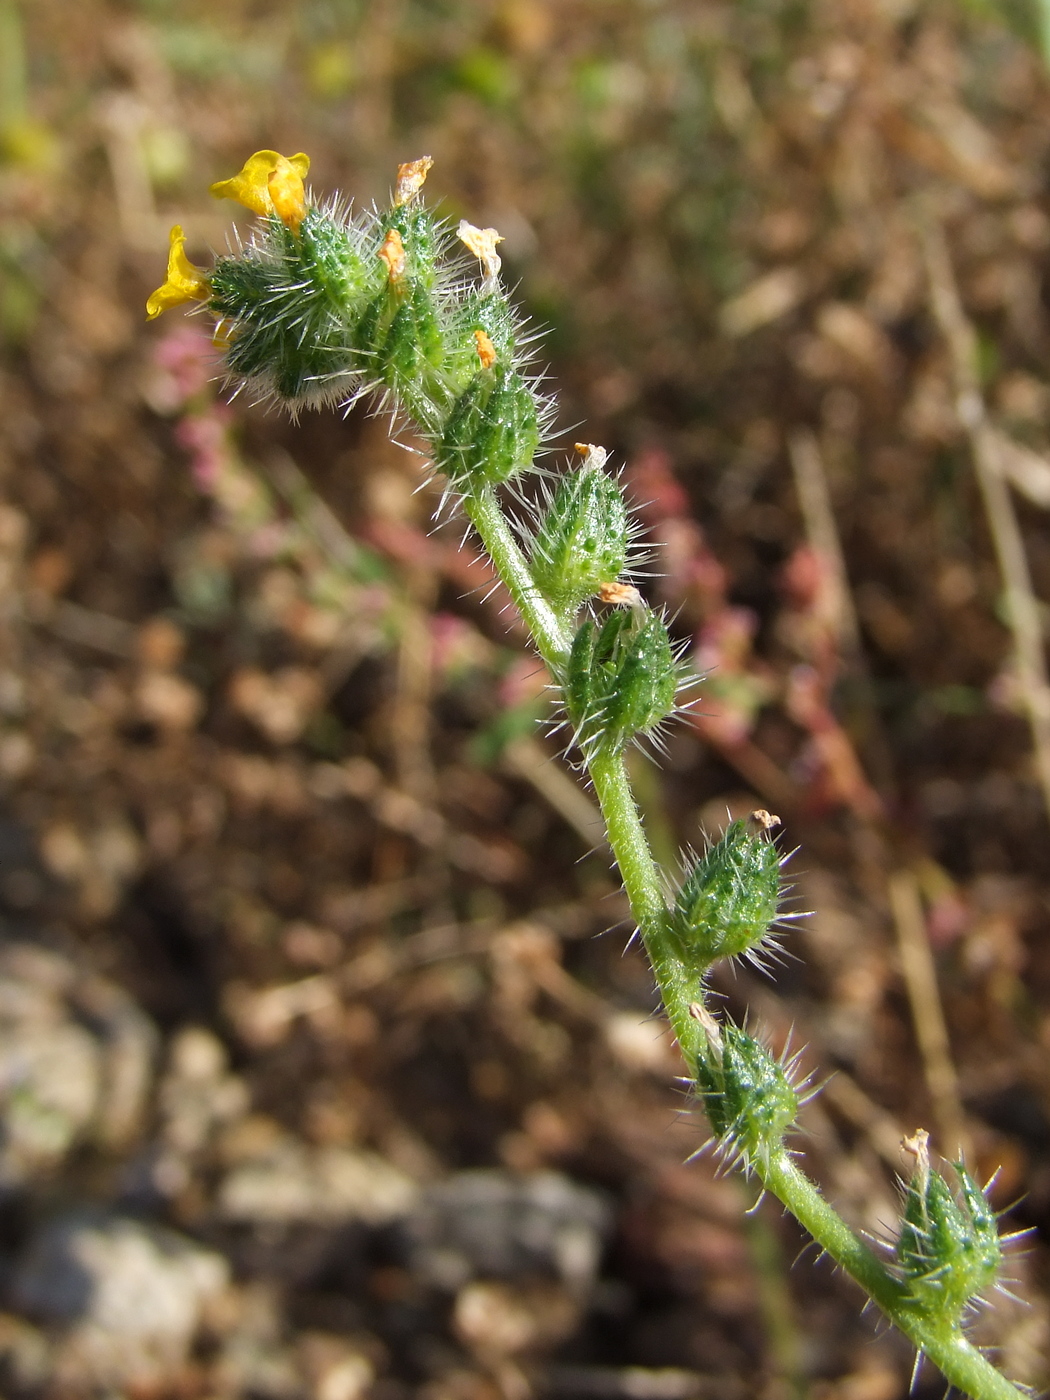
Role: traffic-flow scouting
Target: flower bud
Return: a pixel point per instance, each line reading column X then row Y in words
column 948, row 1249
column 747, row 1095
column 621, row 679
column 729, row 899
column 493, row 430
column 582, row 540
column 413, row 343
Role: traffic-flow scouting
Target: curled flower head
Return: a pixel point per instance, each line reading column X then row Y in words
column 482, row 243
column 269, row 183
column 411, row 176
column 184, row 281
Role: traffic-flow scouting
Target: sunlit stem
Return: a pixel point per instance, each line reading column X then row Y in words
column 681, row 987
column 550, row 632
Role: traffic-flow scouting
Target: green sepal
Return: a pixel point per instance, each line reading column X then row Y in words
column 582, row 540
column 948, row 1249
column 729, row 899
column 327, row 254
column 421, row 235
column 490, row 312
column 621, row 679
column 290, row 303
column 493, row 430
column 749, row 1100
column 412, row 346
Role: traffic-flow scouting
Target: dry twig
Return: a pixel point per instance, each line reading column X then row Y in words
column 1022, row 607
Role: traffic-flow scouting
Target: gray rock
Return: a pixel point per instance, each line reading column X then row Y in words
column 75, row 1061
column 500, row 1224
column 123, row 1298
column 295, row 1184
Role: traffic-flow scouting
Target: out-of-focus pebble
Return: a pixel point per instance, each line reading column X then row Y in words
column 125, row 1298
column 500, row 1224
column 294, row 1184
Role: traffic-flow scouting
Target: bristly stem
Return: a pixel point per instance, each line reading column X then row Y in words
column 550, row 633
column 679, row 986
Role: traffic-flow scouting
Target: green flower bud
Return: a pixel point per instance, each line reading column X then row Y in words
column 747, row 1094
column 487, row 311
column 582, row 540
column 421, row 237
column 729, row 899
column 621, row 679
column 412, row 346
column 948, row 1249
column 493, row 430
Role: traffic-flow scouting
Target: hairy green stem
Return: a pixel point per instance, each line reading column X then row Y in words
column 680, row 986
column 550, row 633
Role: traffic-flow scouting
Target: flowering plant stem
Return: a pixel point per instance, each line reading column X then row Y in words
column 325, row 307
column 946, row 1345
column 681, row 989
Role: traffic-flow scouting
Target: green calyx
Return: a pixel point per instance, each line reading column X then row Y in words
column 747, row 1095
column 421, row 235
column 948, row 1249
column 621, row 679
column 582, row 539
column 493, row 430
column 729, row 899
column 286, row 304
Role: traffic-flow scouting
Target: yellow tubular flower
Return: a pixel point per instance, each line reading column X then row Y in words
column 269, row 183
column 185, row 282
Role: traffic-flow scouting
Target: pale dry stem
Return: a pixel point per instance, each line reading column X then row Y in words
column 931, row 1031
column 818, row 515
column 1022, row 606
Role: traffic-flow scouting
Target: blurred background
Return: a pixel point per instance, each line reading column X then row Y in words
column 324, row 1071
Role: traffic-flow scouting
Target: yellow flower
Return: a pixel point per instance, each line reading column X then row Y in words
column 185, row 282
column 269, row 183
